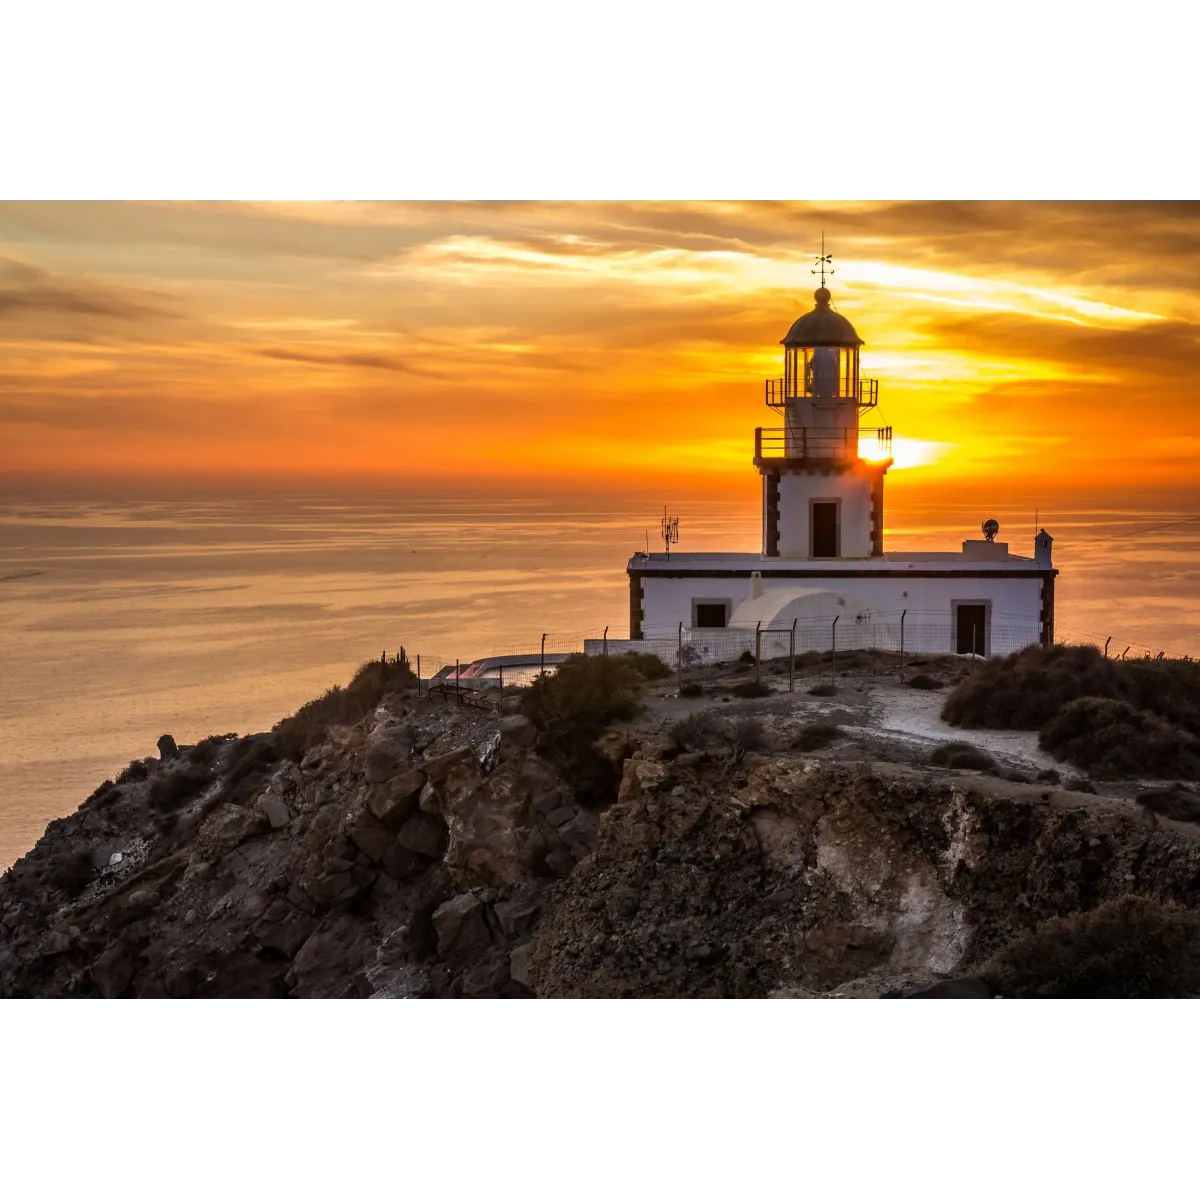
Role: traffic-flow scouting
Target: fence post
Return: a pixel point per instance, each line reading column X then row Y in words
column 604, row 667
column 457, row 687
column 757, row 652
column 418, row 677
column 792, row 657
column 679, row 658
column 902, row 616
column 501, row 709
column 543, row 671
column 1106, row 641
column 833, row 647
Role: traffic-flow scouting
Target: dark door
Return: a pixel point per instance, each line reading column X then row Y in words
column 825, row 530
column 710, row 616
column 972, row 626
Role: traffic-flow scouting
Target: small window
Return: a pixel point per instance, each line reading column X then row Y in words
column 710, row 616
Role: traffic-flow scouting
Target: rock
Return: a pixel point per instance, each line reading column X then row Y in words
column 370, row 836
column 485, row 979
column 435, row 768
column 489, row 755
column 58, row 943
column 400, row 863
column 561, row 815
column 330, row 957
column 969, row 987
column 231, row 825
column 112, row 972
column 560, row 862
column 167, row 749
column 276, row 811
column 189, row 917
column 460, row 927
column 395, row 801
column 517, row 913
column 518, row 965
column 706, row 953
column 423, row 834
column 313, row 758
column 387, row 758
column 780, row 898
column 519, row 730
column 115, row 858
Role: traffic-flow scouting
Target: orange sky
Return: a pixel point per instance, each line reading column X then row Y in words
column 1044, row 341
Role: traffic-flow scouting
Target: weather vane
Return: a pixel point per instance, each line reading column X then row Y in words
column 821, row 260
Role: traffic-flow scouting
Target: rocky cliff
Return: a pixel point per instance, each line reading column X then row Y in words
column 430, row 850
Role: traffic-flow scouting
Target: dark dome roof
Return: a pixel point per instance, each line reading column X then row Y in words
column 822, row 326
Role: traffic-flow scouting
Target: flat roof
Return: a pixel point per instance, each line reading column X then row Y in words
column 895, row 562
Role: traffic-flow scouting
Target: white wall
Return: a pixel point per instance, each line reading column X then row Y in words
column 1015, row 603
column 796, row 492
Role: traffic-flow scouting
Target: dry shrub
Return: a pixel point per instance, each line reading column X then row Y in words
column 74, row 873
column 137, row 770
column 962, row 756
column 204, row 753
column 746, row 733
column 816, row 737
column 1176, row 804
column 746, row 656
column 823, row 689
column 1112, row 740
column 250, row 761
column 703, row 729
column 648, row 666
column 307, row 727
column 1129, row 948
column 174, row 789
column 692, row 690
column 925, row 683
column 752, row 689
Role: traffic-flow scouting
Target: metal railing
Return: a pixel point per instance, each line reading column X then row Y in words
column 778, row 394
column 816, row 442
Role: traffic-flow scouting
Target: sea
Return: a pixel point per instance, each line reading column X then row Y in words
column 126, row 615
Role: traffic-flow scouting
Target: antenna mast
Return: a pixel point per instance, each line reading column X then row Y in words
column 670, row 531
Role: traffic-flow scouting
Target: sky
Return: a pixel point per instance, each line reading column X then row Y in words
column 587, row 342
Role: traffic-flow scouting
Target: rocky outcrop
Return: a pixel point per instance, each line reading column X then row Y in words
column 434, row 851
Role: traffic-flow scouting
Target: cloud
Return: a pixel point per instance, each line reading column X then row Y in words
column 26, row 289
column 373, row 362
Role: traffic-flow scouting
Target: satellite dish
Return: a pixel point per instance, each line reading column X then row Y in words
column 991, row 527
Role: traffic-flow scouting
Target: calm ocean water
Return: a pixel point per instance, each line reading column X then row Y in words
column 121, row 619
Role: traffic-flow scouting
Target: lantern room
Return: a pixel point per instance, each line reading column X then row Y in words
column 821, row 355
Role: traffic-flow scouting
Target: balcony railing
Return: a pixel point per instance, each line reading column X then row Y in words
column 815, row 442
column 866, row 394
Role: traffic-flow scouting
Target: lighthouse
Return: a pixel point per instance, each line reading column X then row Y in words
column 821, row 498
column 823, row 572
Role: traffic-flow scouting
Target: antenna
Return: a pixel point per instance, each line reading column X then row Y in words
column 647, row 543
column 670, row 530
column 821, row 259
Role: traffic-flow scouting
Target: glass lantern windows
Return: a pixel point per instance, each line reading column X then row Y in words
column 822, row 372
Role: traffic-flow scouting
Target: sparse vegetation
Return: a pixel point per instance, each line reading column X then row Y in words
column 924, row 683
column 171, row 791
column 74, row 873
column 250, row 761
column 137, row 770
column 1129, row 948
column 961, row 756
column 306, row 728
column 692, row 690
column 1112, row 739
column 746, row 656
column 1176, row 804
column 699, row 730
column 823, row 689
column 204, row 753
column 746, row 733
column 816, row 737
column 750, row 690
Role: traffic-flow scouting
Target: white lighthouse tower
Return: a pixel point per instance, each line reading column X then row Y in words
column 821, row 499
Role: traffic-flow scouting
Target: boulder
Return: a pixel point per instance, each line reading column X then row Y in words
column 387, row 756
column 232, row 824
column 518, row 730
column 435, row 768
column 395, row 801
column 369, row 835
column 423, row 834
column 400, row 863
column 275, row 810
column 518, row 965
column 167, row 749
column 112, row 972
column 461, row 929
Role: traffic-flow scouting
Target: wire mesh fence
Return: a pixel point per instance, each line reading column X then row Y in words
column 895, row 642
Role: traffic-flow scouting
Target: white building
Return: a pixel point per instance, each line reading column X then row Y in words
column 823, row 556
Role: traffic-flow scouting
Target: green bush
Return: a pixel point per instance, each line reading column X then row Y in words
column 573, row 707
column 649, row 666
column 816, row 737
column 1112, row 740
column 1027, row 689
column 961, row 756
column 1129, row 948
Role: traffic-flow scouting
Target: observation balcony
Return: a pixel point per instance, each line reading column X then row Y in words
column 811, row 443
column 863, row 392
